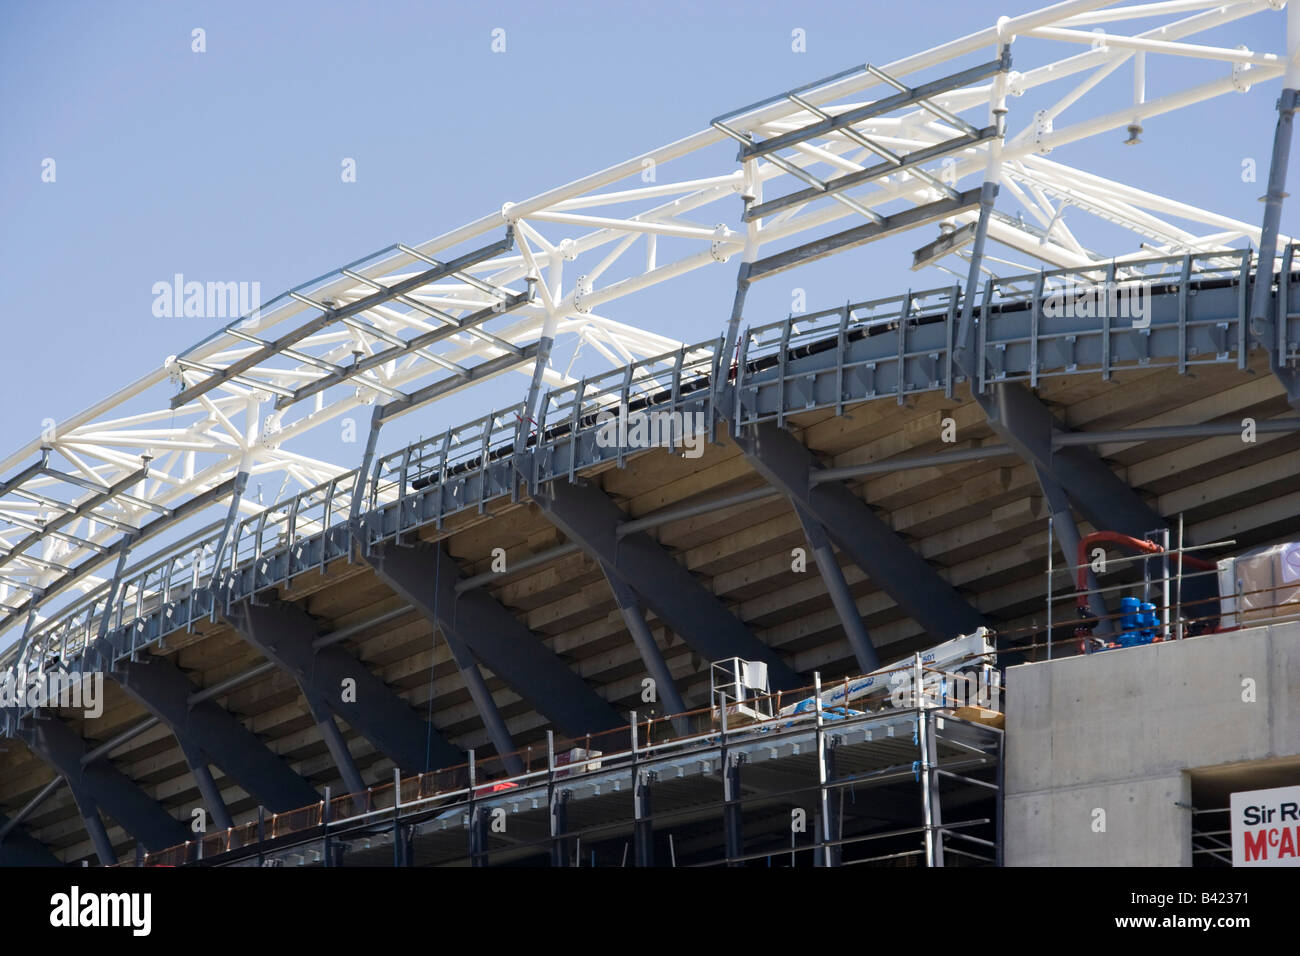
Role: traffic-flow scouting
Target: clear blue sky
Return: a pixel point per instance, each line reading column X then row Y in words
column 226, row 164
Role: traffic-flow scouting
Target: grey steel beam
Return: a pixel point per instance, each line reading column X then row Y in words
column 831, row 806
column 95, row 828
column 198, row 762
column 426, row 577
column 330, row 316
column 401, row 348
column 869, row 232
column 486, row 705
column 164, row 690
column 732, row 815
column 1271, row 331
column 1104, row 499
column 334, row 742
column 906, row 96
column 965, row 327
column 1058, row 503
column 588, row 516
column 101, row 784
column 558, row 817
column 20, row 848
column 634, row 617
column 888, row 560
column 847, row 609
column 1025, row 423
column 286, row 633
column 643, row 833
column 7, row 825
column 479, row 373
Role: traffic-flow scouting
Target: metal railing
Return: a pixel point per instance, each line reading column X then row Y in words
column 483, row 460
column 641, row 740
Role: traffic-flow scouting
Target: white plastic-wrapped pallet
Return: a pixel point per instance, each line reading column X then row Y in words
column 1260, row 584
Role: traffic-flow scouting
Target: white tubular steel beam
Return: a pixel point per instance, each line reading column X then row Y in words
column 418, row 320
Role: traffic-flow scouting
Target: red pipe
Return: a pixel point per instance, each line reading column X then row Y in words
column 1124, row 541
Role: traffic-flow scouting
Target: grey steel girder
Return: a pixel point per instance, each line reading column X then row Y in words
column 100, row 784
column 163, row 690
column 629, row 605
column 1025, row 423
column 589, row 517
column 427, row 577
column 1271, row 330
column 286, row 633
column 487, row 708
column 887, row 559
column 829, row 568
column 19, row 848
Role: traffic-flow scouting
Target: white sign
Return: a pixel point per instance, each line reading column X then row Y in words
column 1266, row 827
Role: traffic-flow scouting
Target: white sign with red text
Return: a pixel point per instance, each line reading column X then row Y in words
column 1266, row 827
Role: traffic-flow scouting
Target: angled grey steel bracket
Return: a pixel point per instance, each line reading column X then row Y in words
column 888, row 560
column 629, row 606
column 1058, row 503
column 908, row 218
column 486, row 705
column 855, row 629
column 241, row 484
column 1101, row 496
column 1025, row 423
column 427, row 577
column 206, row 728
column 198, row 763
column 334, row 742
column 589, row 517
column 95, row 828
column 22, row 849
column 1271, row 330
column 286, row 633
column 965, row 327
column 100, row 784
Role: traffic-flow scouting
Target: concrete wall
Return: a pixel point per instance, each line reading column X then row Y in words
column 1117, row 731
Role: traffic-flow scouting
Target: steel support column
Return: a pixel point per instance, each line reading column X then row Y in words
column 95, row 828
column 588, row 516
column 427, row 577
column 733, row 832
column 634, row 618
column 479, row 821
column 1058, row 503
column 832, row 806
column 495, row 724
column 285, row 633
column 888, row 560
column 1102, row 497
column 1271, row 331
column 855, row 629
column 558, row 801
column 334, row 742
column 162, row 689
column 644, row 834
column 198, row 762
